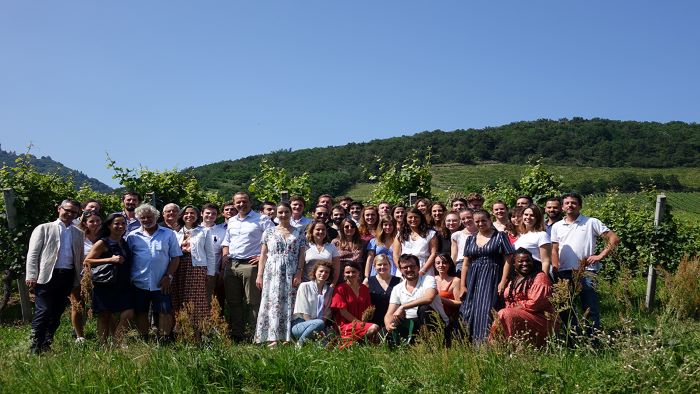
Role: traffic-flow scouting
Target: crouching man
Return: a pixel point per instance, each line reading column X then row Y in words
column 412, row 302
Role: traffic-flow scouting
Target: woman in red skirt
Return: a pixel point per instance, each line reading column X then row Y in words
column 350, row 301
column 197, row 265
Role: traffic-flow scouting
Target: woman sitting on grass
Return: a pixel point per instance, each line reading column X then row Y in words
column 528, row 313
column 352, row 307
column 380, row 286
column 313, row 303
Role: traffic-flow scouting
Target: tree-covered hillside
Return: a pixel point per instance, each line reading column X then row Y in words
column 46, row 164
column 577, row 141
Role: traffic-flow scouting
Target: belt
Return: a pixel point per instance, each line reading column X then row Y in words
column 241, row 261
column 63, row 270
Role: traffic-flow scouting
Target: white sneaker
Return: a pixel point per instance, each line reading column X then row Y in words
column 79, row 340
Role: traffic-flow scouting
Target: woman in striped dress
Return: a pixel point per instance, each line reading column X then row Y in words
column 484, row 275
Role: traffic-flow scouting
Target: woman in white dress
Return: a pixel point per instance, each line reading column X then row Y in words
column 279, row 273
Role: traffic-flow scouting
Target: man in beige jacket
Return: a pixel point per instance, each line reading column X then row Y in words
column 54, row 263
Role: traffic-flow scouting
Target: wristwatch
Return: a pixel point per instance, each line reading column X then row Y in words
column 170, row 276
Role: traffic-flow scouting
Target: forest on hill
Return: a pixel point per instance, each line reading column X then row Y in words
column 46, row 164
column 573, row 142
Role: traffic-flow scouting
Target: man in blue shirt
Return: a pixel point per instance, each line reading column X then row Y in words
column 156, row 255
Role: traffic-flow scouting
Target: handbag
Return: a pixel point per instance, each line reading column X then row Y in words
column 105, row 274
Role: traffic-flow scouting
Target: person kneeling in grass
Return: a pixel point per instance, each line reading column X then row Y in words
column 352, row 306
column 411, row 302
column 528, row 313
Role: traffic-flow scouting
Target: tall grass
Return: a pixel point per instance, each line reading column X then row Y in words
column 637, row 355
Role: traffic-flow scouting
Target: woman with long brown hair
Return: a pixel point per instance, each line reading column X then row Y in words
column 368, row 222
column 381, row 245
column 110, row 262
column 319, row 248
column 418, row 239
column 349, row 244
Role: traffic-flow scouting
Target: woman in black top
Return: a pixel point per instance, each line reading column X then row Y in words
column 111, row 292
column 380, row 287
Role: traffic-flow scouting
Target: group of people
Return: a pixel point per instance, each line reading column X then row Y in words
column 361, row 272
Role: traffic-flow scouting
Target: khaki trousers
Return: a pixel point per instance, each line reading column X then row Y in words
column 242, row 296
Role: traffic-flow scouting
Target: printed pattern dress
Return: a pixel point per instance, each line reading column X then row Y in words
column 484, row 272
column 277, row 300
column 528, row 313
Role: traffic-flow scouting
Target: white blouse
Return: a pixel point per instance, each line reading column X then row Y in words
column 201, row 248
column 532, row 241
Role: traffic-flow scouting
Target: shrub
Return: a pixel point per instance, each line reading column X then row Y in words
column 397, row 182
column 641, row 243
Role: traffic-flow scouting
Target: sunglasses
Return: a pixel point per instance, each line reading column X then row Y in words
column 89, row 213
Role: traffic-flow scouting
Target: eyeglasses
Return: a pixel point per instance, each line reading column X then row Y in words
column 348, row 227
column 89, row 213
column 74, row 212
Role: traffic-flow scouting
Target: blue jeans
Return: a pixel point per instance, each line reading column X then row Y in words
column 302, row 329
column 589, row 299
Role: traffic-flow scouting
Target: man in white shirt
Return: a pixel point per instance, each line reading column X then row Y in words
column 574, row 241
column 215, row 287
column 412, row 300
column 240, row 255
column 54, row 262
column 298, row 220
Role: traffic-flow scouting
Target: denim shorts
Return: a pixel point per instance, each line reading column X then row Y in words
column 161, row 303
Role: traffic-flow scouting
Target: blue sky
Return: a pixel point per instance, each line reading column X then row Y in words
column 168, row 84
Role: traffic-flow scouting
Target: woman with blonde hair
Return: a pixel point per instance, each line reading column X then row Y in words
column 381, row 245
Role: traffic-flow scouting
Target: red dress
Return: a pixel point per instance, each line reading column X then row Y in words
column 345, row 298
column 529, row 314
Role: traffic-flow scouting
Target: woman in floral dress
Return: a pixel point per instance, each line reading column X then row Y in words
column 279, row 273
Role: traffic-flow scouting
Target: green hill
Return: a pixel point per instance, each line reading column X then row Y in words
column 577, row 142
column 46, row 164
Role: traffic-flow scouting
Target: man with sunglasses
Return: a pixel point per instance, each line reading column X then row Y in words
column 54, row 262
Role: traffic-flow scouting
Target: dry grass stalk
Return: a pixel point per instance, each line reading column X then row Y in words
column 184, row 324
column 85, row 292
column 215, row 327
column 368, row 313
column 682, row 292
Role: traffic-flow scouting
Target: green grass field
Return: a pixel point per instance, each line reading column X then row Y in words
column 458, row 178
column 463, row 178
column 640, row 352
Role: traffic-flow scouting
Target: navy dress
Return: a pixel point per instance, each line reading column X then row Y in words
column 118, row 296
column 380, row 298
column 485, row 271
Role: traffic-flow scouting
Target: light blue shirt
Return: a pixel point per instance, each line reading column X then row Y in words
column 244, row 236
column 302, row 222
column 151, row 256
column 65, row 250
